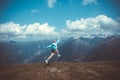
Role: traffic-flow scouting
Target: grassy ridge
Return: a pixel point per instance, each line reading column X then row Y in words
column 62, row 71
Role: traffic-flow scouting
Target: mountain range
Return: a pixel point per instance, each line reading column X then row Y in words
column 71, row 49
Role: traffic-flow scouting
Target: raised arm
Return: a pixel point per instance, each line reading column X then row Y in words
column 58, row 41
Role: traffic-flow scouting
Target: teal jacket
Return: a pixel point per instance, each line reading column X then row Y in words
column 54, row 45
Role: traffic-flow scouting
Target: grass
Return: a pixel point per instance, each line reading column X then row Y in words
column 62, row 71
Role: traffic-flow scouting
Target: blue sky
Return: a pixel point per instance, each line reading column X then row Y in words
column 55, row 13
column 20, row 11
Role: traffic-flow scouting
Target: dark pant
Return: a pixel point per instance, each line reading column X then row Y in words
column 54, row 50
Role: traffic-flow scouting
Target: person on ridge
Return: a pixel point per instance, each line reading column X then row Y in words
column 54, row 50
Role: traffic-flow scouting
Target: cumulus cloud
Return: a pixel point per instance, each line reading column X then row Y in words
column 85, row 2
column 38, row 31
column 100, row 25
column 10, row 28
column 51, row 3
column 34, row 11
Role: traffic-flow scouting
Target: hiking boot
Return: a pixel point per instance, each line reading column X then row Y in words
column 46, row 61
column 58, row 55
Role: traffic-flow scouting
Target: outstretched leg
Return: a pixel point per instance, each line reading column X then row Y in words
column 52, row 54
column 58, row 53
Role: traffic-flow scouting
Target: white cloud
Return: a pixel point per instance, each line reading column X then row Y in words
column 34, row 11
column 51, row 3
column 10, row 27
column 100, row 25
column 85, row 2
column 38, row 31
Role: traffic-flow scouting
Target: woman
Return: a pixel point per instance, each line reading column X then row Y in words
column 53, row 50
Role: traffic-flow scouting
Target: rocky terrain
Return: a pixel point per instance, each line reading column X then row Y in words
column 62, row 71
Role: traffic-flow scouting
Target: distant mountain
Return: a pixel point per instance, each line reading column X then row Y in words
column 71, row 49
column 109, row 50
column 85, row 49
column 78, row 48
column 20, row 52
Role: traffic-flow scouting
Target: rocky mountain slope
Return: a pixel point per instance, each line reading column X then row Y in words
column 72, row 50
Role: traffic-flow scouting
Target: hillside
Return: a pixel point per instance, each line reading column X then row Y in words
column 72, row 50
column 62, row 71
column 85, row 49
column 107, row 51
